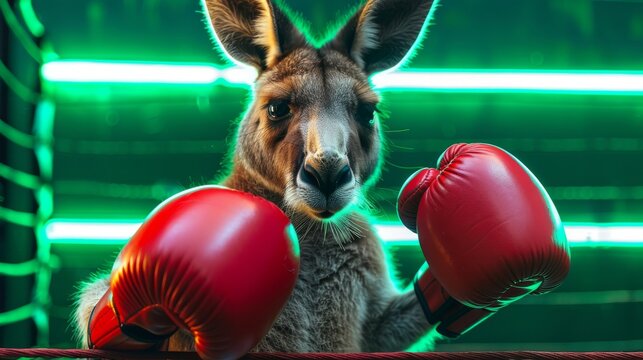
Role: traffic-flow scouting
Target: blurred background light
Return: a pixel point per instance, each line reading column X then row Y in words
column 100, row 71
column 512, row 81
column 412, row 79
column 119, row 231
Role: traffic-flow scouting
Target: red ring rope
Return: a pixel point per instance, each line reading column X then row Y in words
column 6, row 353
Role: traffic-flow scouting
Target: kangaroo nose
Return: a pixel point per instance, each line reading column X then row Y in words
column 326, row 180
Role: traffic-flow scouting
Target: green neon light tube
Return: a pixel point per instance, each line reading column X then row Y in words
column 513, row 81
column 115, row 72
column 31, row 19
column 16, row 315
column 69, row 231
column 467, row 80
column 578, row 234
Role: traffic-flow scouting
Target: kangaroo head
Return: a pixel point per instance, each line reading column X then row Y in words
column 311, row 134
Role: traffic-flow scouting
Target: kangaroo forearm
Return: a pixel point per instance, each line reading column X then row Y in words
column 401, row 324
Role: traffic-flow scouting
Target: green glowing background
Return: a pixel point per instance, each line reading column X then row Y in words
column 120, row 149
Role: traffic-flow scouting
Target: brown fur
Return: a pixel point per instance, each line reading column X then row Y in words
column 344, row 299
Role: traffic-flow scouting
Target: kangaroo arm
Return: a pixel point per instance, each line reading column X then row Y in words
column 89, row 293
column 399, row 324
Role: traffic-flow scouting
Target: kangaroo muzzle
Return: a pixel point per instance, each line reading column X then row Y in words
column 326, row 171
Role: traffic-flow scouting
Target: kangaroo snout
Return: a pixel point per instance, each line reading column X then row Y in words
column 325, row 171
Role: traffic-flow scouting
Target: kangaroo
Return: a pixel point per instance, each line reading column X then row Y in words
column 311, row 142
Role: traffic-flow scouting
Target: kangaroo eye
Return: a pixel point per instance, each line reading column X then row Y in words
column 366, row 114
column 278, row 109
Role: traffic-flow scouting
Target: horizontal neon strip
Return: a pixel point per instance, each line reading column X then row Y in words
column 17, row 315
column 110, row 232
column 20, row 269
column 549, row 81
column 112, row 72
column 578, row 234
column 90, row 230
column 418, row 79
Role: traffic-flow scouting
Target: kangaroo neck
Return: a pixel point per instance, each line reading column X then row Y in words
column 243, row 180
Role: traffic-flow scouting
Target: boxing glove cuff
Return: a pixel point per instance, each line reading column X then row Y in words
column 106, row 331
column 453, row 317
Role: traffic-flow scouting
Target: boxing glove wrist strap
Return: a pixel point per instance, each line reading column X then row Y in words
column 107, row 331
column 453, row 317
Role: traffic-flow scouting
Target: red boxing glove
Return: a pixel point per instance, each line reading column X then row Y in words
column 489, row 232
column 218, row 262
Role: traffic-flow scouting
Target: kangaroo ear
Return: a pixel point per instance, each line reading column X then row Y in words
column 253, row 32
column 382, row 32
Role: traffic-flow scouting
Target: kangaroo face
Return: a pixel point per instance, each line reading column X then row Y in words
column 314, row 120
column 311, row 134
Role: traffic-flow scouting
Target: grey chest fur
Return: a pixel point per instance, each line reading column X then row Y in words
column 329, row 305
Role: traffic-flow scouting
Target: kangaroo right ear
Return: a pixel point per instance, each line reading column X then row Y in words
column 253, row 32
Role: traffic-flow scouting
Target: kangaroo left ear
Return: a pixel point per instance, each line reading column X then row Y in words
column 382, row 32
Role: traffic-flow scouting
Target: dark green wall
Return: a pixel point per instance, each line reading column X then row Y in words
column 121, row 149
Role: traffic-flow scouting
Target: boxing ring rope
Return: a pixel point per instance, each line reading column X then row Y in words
column 119, row 355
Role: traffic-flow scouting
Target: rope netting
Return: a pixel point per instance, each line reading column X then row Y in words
column 120, row 355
